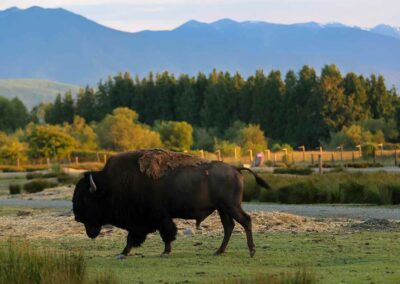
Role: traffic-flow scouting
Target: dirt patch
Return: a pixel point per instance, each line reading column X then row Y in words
column 58, row 225
column 376, row 225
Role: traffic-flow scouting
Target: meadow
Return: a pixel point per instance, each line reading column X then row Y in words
column 342, row 257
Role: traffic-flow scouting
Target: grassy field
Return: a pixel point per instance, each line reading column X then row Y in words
column 356, row 257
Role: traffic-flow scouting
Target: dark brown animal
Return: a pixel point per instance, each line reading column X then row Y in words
column 123, row 196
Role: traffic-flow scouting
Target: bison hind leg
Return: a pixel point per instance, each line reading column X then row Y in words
column 244, row 219
column 168, row 232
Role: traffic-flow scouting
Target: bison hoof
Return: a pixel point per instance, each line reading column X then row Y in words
column 252, row 252
column 165, row 254
column 121, row 256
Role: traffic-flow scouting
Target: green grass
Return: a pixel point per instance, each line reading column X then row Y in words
column 366, row 257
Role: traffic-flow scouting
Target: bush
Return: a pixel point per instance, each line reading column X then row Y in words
column 14, row 188
column 87, row 166
column 301, row 193
column 390, row 194
column 364, row 165
column 294, row 171
column 20, row 263
column 40, row 175
column 354, row 192
column 368, row 149
column 38, row 185
column 65, row 178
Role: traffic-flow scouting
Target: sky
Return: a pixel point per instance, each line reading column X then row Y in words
column 136, row 15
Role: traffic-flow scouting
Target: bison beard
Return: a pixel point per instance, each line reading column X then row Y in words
column 126, row 195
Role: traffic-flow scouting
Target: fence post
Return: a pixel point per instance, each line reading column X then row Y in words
column 395, row 157
column 352, row 157
column 98, row 157
column 320, row 164
column 76, row 160
column 18, row 163
column 202, row 153
column 48, row 161
column 105, row 158
column 235, row 149
column 251, row 156
column 312, row 159
column 333, row 159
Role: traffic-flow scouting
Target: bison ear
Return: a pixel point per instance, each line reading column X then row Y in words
column 93, row 186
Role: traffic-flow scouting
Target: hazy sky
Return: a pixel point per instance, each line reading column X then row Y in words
column 137, row 15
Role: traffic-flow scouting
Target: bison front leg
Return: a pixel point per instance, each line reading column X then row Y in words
column 133, row 240
column 168, row 232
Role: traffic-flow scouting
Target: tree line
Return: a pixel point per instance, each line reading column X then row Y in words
column 300, row 108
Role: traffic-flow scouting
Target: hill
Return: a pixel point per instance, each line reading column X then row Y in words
column 58, row 45
column 32, row 92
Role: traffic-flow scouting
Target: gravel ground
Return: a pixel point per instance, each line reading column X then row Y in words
column 316, row 211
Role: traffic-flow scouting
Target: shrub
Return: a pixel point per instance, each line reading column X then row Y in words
column 14, row 188
column 87, row 166
column 251, row 189
column 65, row 178
column 38, row 185
column 364, row 165
column 368, row 149
column 301, row 193
column 390, row 194
column 354, row 192
column 294, row 171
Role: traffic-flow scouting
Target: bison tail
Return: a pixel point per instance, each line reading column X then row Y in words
column 260, row 181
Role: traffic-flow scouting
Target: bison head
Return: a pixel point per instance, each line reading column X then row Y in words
column 88, row 203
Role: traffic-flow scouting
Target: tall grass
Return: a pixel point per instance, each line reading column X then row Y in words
column 22, row 264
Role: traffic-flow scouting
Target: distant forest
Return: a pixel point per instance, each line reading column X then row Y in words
column 300, row 108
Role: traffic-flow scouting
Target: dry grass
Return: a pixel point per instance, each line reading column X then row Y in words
column 51, row 225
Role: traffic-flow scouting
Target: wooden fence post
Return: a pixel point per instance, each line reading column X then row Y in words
column 312, row 159
column 320, row 165
column 395, row 157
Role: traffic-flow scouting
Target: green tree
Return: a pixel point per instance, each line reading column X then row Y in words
column 86, row 104
column 48, row 141
column 175, row 135
column 82, row 133
column 334, row 101
column 356, row 99
column 252, row 138
column 120, row 131
column 13, row 114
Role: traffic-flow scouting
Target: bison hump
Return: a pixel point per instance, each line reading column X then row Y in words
column 157, row 162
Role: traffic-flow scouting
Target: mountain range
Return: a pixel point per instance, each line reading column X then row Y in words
column 56, row 44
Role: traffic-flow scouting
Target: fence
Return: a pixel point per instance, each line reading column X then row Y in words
column 384, row 157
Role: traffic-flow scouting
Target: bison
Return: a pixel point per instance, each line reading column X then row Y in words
column 123, row 196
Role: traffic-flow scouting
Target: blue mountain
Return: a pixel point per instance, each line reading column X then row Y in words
column 55, row 44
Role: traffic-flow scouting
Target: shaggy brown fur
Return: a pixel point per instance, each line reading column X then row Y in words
column 156, row 162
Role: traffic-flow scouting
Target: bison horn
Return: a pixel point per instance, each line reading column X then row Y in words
column 93, row 186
